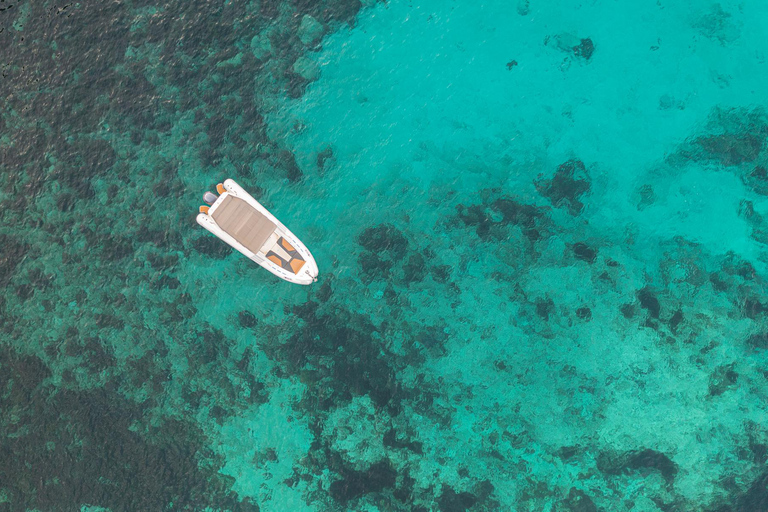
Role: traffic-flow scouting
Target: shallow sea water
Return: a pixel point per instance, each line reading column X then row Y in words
column 539, row 226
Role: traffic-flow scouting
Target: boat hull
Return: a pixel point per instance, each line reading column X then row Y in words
column 308, row 272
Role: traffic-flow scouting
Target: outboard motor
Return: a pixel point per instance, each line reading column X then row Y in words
column 210, row 198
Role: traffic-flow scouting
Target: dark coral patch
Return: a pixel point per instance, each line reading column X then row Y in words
column 354, row 484
column 649, row 302
column 516, row 213
column 385, row 246
column 578, row 501
column 756, row 497
column 211, row 246
column 413, row 269
column 732, row 149
column 384, row 239
column 722, row 379
column 567, row 186
column 115, row 248
column 441, row 273
column 584, row 49
column 752, row 308
column 246, row 319
column 584, row 252
column 392, row 440
column 475, row 215
column 292, row 170
column 452, row 501
column 641, row 461
column 675, row 320
column 12, row 254
column 758, row 341
column 360, row 365
column 544, row 308
column 83, row 445
column 324, row 156
column 508, row 212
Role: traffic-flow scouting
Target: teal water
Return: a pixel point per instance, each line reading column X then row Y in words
column 540, row 232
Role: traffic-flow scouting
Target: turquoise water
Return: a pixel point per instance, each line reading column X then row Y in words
column 540, row 232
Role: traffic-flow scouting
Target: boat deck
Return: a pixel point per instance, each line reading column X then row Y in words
column 256, row 233
column 244, row 223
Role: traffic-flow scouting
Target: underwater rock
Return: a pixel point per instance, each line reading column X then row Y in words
column 640, row 460
column 493, row 219
column 216, row 126
column 511, row 64
column 649, row 302
column 413, row 270
column 296, row 85
column 755, row 498
column 360, row 365
column 584, row 252
column 732, row 149
column 115, row 248
column 567, row 452
column 718, row 283
column 391, row 440
column 246, row 319
column 354, row 484
column 545, row 307
column 12, row 254
column 584, row 49
column 451, row 501
column 757, row 180
column 758, row 341
column 261, row 47
column 568, row 43
column 721, row 379
column 384, row 239
column 578, row 501
column 288, row 161
column 404, row 491
column 324, row 156
column 212, row 247
column 306, row 68
column 475, row 215
column 567, row 186
column 675, row 320
column 752, row 308
column 373, row 266
column 52, row 427
column 441, row 273
column 65, row 202
column 24, row 292
column 162, row 262
column 584, row 313
column 718, row 25
column 516, row 213
column 310, row 30
column 433, row 338
column 108, row 321
column 269, row 9
column 325, row 291
column 736, row 266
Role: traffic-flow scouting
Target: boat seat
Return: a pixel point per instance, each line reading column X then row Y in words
column 243, row 222
column 283, row 253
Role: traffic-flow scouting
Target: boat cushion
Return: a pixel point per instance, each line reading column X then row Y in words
column 243, row 222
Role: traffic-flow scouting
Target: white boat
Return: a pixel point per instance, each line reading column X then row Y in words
column 242, row 222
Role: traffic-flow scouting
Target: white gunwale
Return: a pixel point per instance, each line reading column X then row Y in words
column 309, row 271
